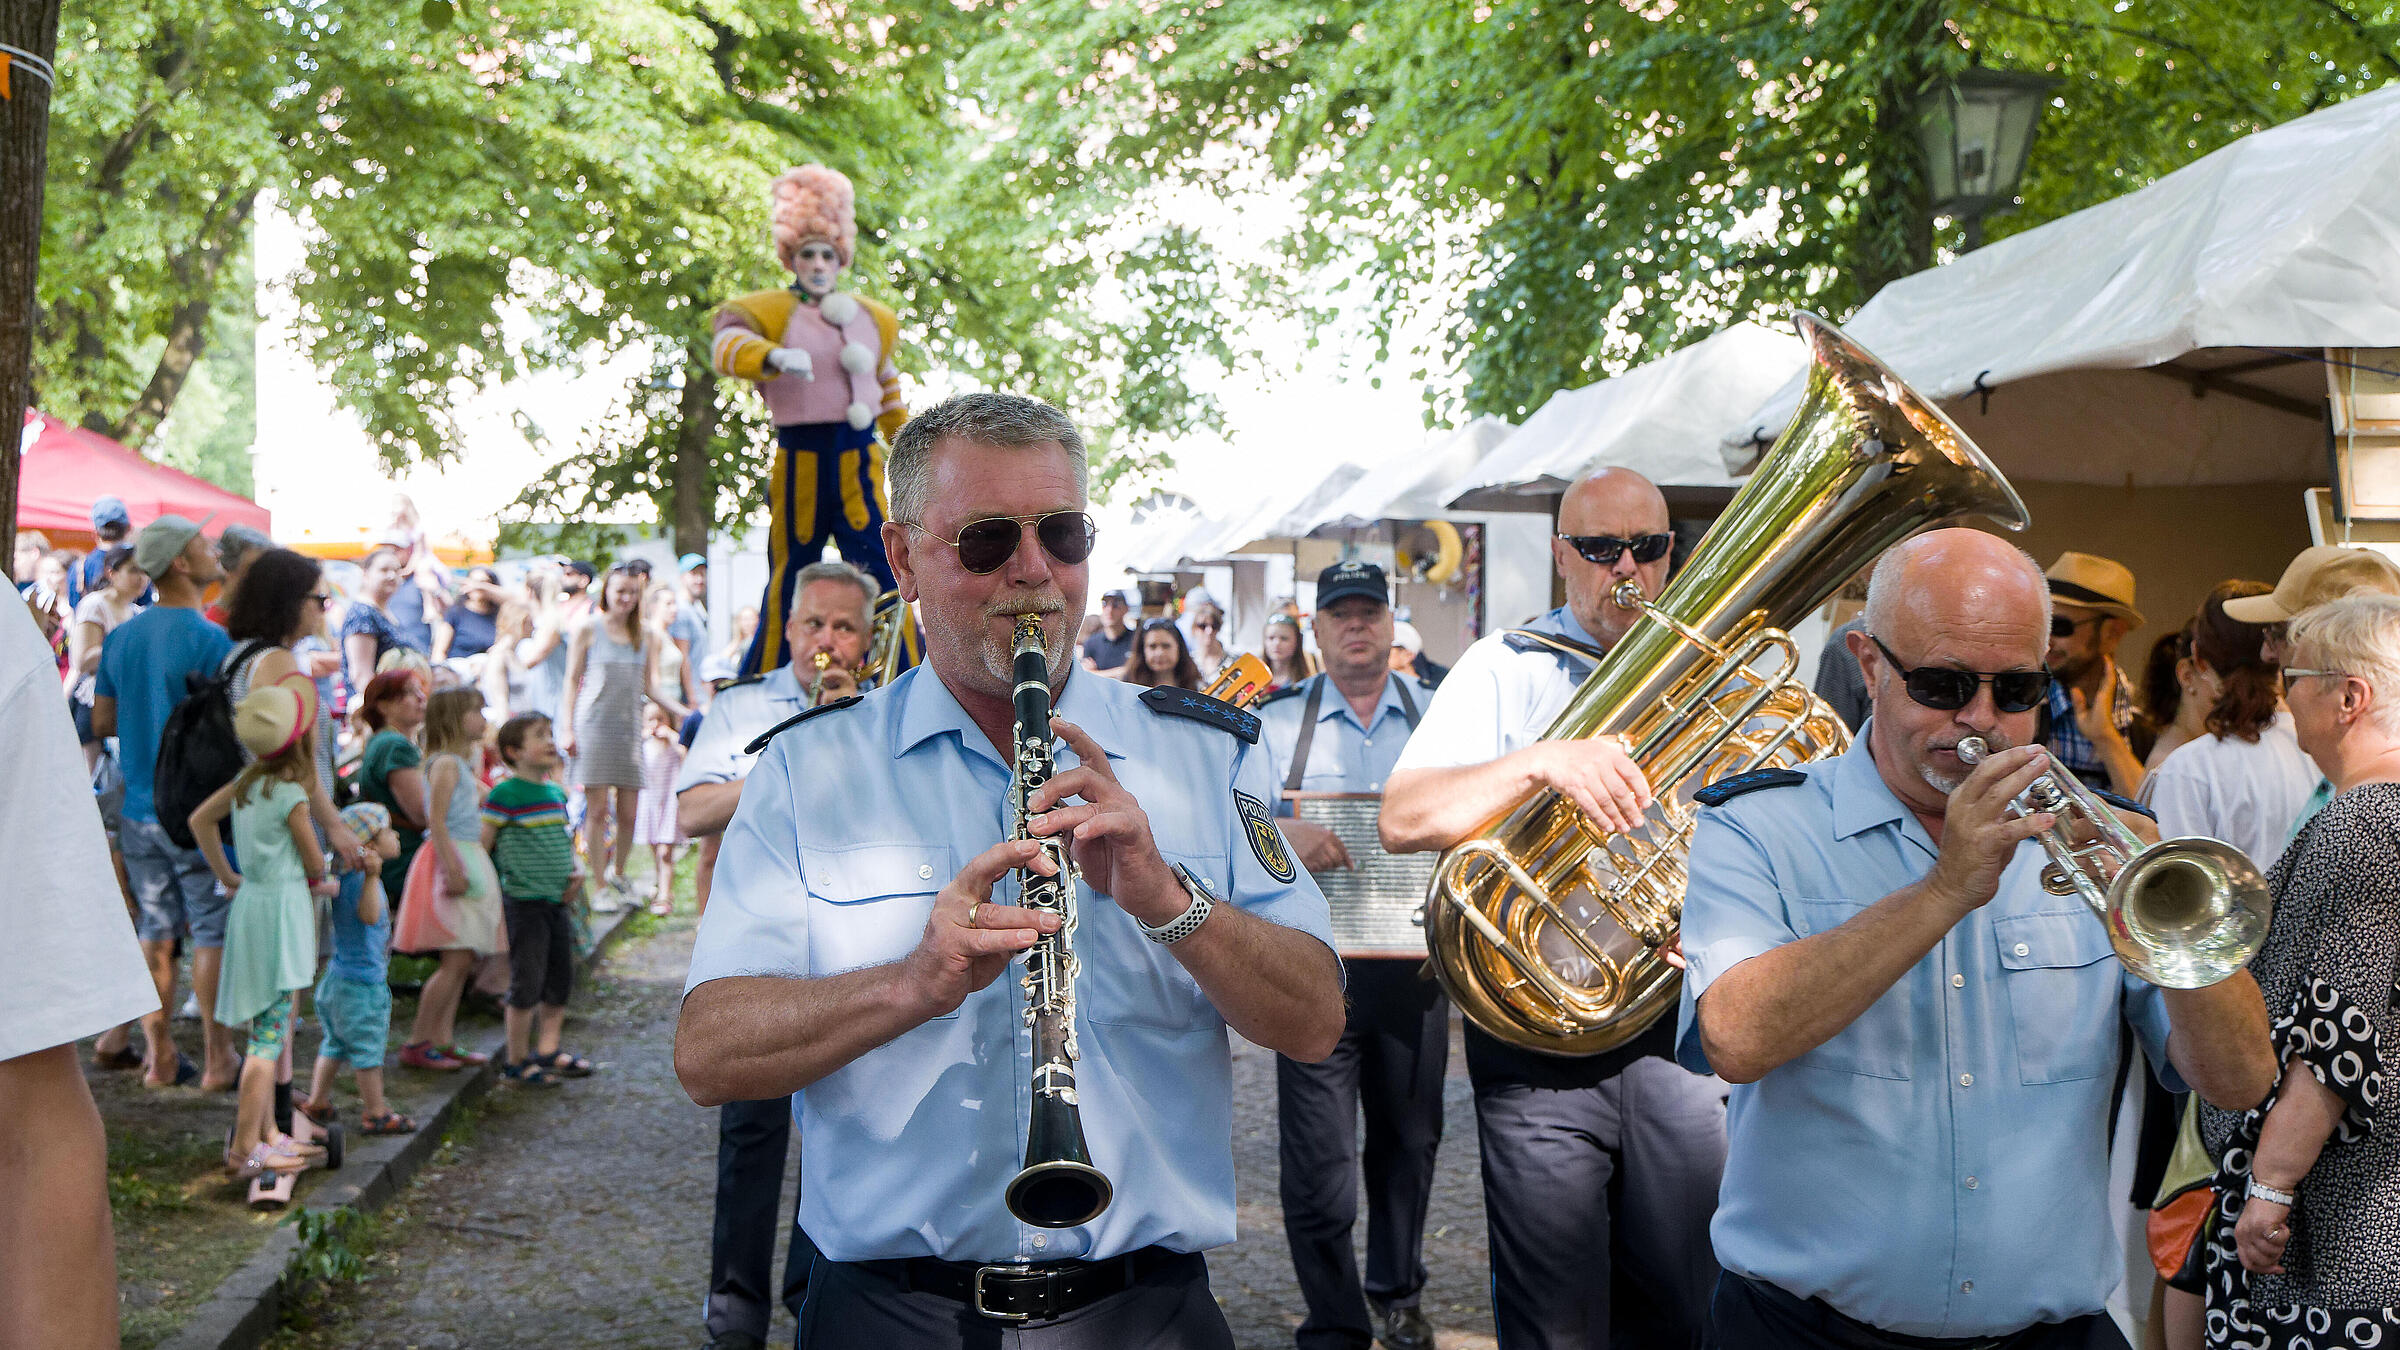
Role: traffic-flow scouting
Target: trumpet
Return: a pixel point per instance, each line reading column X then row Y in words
column 816, row 686
column 2182, row 913
column 1058, row 1187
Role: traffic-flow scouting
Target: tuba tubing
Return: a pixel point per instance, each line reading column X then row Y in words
column 1548, row 931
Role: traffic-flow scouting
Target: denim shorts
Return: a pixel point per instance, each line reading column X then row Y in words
column 174, row 893
column 357, row 1016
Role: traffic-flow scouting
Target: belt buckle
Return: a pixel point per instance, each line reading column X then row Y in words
column 982, row 1309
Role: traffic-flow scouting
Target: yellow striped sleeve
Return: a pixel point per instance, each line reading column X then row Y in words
column 744, row 326
column 894, row 413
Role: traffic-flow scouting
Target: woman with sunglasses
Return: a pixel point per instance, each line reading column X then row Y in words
column 2306, row 1243
column 280, row 604
column 1162, row 658
column 2245, row 779
column 1204, row 622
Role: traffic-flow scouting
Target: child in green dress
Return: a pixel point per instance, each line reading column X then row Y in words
column 271, row 925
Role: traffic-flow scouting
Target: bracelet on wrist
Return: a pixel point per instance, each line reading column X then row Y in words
column 2259, row 1190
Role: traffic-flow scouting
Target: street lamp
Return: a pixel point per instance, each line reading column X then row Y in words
column 1976, row 130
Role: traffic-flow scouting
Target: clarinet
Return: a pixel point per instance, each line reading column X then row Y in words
column 1059, row 1187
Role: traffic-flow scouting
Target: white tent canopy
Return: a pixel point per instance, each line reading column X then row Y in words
column 1664, row 419
column 1215, row 538
column 2169, row 337
column 1412, row 486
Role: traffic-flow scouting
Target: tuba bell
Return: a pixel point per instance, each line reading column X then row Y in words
column 1548, row 931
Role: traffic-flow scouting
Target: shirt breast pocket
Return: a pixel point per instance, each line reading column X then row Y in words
column 867, row 903
column 1878, row 1043
column 1128, row 980
column 2065, row 1012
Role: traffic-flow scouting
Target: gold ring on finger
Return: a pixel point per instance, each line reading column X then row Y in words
column 971, row 908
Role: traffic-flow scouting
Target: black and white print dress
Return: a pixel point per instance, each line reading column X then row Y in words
column 2328, row 971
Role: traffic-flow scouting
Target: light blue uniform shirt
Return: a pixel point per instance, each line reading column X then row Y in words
column 1344, row 755
column 849, row 825
column 739, row 714
column 1939, row 1167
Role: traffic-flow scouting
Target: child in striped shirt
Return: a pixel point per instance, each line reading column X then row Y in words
column 525, row 831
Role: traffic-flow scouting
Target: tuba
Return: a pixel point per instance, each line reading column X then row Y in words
column 893, row 646
column 1550, row 932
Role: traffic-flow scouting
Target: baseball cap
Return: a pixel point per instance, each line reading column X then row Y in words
column 1346, row 579
column 1121, row 597
column 690, row 562
column 2326, row 572
column 367, row 819
column 110, row 511
column 164, row 540
column 579, row 567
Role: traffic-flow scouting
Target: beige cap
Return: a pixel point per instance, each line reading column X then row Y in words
column 2090, row 581
column 2326, row 572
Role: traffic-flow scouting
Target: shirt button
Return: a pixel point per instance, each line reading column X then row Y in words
column 1966, row 1286
column 1972, row 1183
column 2023, row 950
column 1369, row 740
column 1041, row 1240
column 924, row 871
column 1958, row 981
column 1966, row 1080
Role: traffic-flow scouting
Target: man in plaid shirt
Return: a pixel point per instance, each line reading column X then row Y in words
column 2094, row 719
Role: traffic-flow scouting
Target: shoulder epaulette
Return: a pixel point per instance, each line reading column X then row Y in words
column 1726, row 789
column 2123, row 803
column 794, row 720
column 1199, row 707
column 1287, row 691
column 746, row 679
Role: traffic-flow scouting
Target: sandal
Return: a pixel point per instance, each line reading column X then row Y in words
column 186, row 1074
column 471, row 1058
column 528, row 1073
column 426, row 1055
column 565, row 1063
column 127, row 1058
column 390, row 1122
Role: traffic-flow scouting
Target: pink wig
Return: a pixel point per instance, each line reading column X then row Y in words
column 814, row 202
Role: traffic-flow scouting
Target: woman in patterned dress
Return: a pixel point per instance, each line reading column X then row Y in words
column 612, row 662
column 2304, row 1253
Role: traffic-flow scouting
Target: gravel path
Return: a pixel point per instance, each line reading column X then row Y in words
column 581, row 1215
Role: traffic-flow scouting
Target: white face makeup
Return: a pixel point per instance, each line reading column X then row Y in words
column 817, row 267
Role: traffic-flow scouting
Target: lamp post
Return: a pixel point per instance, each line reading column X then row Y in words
column 1975, row 131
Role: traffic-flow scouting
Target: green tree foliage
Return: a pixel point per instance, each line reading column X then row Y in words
column 1577, row 184
column 511, row 185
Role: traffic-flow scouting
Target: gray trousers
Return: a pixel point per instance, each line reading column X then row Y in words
column 1653, row 1138
column 852, row 1307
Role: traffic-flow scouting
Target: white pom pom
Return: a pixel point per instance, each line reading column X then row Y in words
column 838, row 308
column 860, row 416
column 856, row 358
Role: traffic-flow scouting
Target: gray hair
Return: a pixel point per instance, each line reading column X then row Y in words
column 2356, row 635
column 238, row 540
column 834, row 569
column 1011, row 421
column 1884, row 587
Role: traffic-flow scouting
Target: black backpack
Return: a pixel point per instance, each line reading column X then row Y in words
column 198, row 752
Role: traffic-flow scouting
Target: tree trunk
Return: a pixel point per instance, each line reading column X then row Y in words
column 1898, row 233
column 24, row 165
column 187, row 331
column 692, row 506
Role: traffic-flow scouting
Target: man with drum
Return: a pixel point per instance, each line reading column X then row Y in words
column 860, row 950
column 1558, row 1134
column 830, row 604
column 1339, row 732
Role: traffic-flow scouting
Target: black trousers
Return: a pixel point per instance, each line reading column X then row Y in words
column 1395, row 1046
column 852, row 1307
column 753, row 1139
column 1753, row 1313
column 1648, row 1142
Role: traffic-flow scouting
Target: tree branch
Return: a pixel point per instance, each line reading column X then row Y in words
column 2262, row 115
column 2378, row 48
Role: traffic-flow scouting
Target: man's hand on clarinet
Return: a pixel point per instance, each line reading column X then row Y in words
column 1109, row 832
column 969, row 940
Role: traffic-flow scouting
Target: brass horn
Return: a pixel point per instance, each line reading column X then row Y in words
column 1547, row 930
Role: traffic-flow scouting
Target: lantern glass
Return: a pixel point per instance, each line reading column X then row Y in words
column 1976, row 133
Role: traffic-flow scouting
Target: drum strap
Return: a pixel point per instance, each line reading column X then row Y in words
column 1308, row 724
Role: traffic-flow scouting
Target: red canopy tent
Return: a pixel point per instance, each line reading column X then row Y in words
column 64, row 469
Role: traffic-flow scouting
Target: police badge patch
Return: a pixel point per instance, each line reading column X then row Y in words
column 1266, row 842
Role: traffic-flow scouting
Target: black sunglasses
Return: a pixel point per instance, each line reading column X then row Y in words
column 985, row 546
column 2062, row 626
column 1604, row 548
column 2013, row 691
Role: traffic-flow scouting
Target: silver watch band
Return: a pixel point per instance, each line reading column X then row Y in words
column 2263, row 1191
column 1185, row 924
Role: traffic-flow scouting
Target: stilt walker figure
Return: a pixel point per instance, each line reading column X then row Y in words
column 822, row 358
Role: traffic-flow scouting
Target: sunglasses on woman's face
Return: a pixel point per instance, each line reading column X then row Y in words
column 1943, row 690
column 985, row 546
column 1604, row 548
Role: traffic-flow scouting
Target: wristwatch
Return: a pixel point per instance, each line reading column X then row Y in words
column 2262, row 1191
column 1185, row 924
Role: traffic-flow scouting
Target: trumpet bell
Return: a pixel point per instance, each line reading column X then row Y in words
column 2186, row 913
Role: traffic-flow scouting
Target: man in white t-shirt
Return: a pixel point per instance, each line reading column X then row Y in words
column 70, row 968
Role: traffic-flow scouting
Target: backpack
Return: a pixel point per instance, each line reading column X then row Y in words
column 198, row 752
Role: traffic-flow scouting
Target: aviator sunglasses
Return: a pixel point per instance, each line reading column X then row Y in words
column 1604, row 548
column 2013, row 691
column 985, row 546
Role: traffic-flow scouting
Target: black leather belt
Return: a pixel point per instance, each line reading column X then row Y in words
column 1028, row 1293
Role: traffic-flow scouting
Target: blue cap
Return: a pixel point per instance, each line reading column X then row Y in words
column 689, row 561
column 1346, row 579
column 110, row 511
